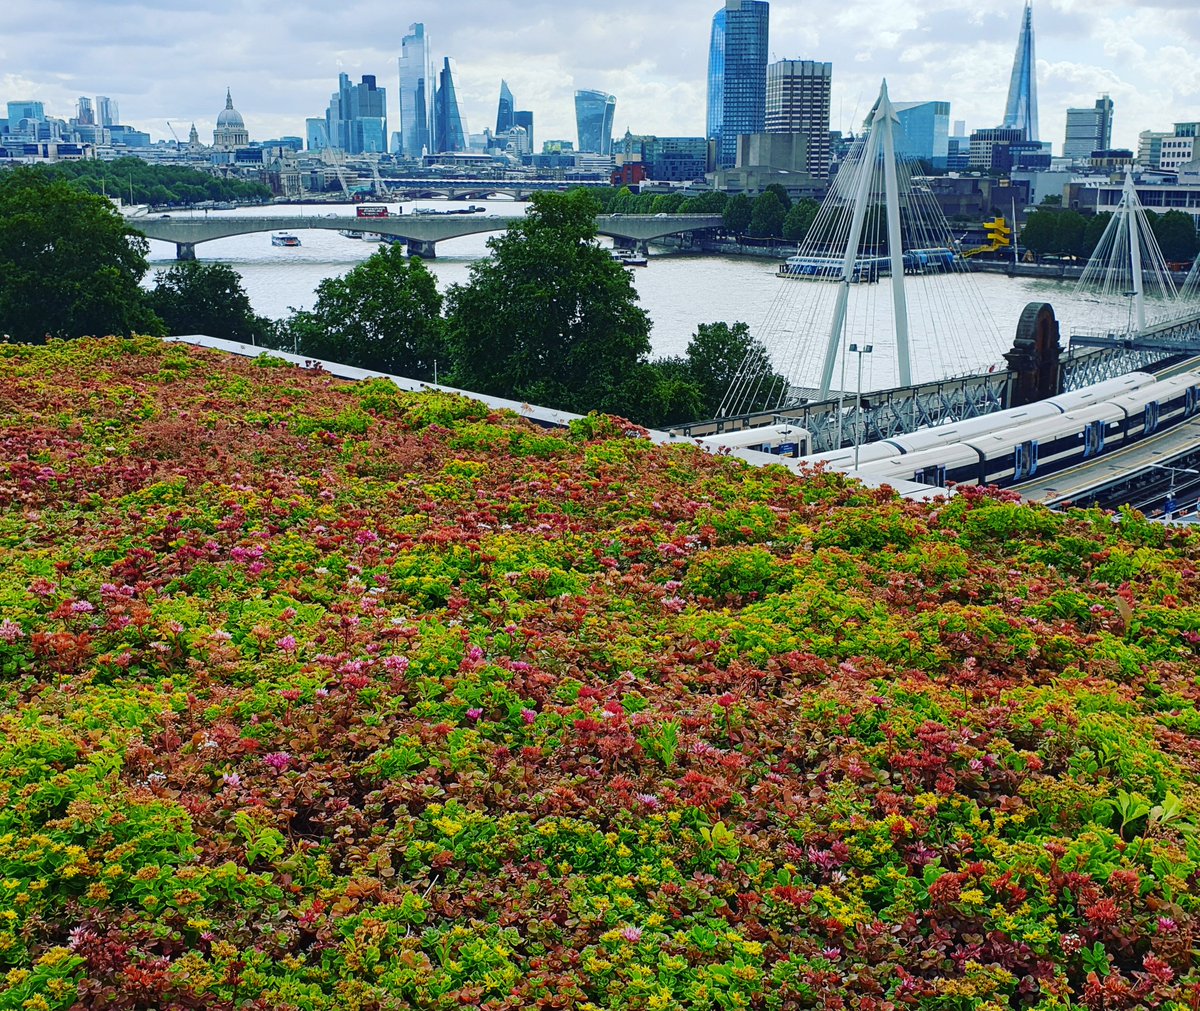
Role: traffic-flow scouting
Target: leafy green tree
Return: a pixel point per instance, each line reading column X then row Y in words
column 1056, row 233
column 767, row 215
column 1072, row 232
column 799, row 220
column 1040, row 232
column 1094, row 231
column 69, row 264
column 663, row 393
column 1176, row 235
column 716, row 354
column 207, row 298
column 549, row 317
column 385, row 314
column 737, row 214
column 780, row 191
column 712, row 202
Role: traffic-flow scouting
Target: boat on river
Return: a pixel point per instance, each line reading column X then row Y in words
column 284, row 239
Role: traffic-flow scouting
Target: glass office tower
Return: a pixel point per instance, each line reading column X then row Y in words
column 1021, row 111
column 744, row 91
column 505, row 112
column 449, row 133
column 416, row 92
column 716, row 77
column 594, row 111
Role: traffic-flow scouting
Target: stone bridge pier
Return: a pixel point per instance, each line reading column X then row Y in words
column 185, row 250
column 426, row 249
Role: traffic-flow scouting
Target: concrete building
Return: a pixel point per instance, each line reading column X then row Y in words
column 766, row 158
column 1088, row 130
column 1150, row 144
column 989, row 148
column 798, row 102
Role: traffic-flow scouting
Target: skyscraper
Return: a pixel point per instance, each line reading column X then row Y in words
column 449, row 130
column 106, row 111
column 594, row 111
column 506, row 111
column 1089, row 130
column 416, row 92
column 1021, row 111
column 743, row 88
column 524, row 119
column 716, row 77
column 923, row 131
column 356, row 120
column 84, row 114
column 798, row 102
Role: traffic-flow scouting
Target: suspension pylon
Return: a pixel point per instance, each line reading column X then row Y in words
column 880, row 144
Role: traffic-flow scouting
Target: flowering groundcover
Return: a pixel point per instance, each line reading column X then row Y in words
column 317, row 695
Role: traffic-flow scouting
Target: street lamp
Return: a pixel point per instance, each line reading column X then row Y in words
column 1169, row 504
column 1131, row 295
column 861, row 427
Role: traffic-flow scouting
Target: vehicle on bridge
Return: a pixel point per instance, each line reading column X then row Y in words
column 284, row 239
column 371, row 211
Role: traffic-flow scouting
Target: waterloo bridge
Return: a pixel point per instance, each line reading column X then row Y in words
column 420, row 232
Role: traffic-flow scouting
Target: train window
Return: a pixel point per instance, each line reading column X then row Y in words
column 934, row 475
column 1018, row 461
column 1150, row 419
column 1191, row 401
column 1031, row 462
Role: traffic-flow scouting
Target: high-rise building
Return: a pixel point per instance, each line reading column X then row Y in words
column 594, row 111
column 1150, row 144
column 417, row 86
column 32, row 111
column 450, row 131
column 506, row 111
column 356, row 120
column 924, row 131
column 84, row 115
column 798, row 102
column 744, row 85
column 1021, row 111
column 1089, row 130
column 107, row 113
column 716, row 77
column 524, row 119
column 231, row 129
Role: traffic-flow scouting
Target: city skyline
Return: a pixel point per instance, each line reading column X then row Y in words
column 179, row 68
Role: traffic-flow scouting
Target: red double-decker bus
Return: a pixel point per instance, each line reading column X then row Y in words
column 371, row 211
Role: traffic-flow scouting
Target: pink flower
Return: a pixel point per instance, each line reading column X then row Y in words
column 632, row 934
column 278, row 760
column 82, row 607
column 1166, row 925
column 648, row 800
column 286, row 643
column 10, row 631
column 474, row 714
column 528, row 715
column 79, row 936
column 366, row 537
column 231, row 779
column 833, row 954
column 395, row 664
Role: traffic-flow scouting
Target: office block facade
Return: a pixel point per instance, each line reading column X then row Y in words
column 716, row 77
column 1088, row 130
column 417, row 86
column 798, row 102
column 449, row 128
column 594, row 112
column 744, row 82
column 924, row 132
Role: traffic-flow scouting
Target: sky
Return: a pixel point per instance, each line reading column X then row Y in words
column 172, row 60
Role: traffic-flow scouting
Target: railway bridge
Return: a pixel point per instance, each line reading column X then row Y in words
column 420, row 232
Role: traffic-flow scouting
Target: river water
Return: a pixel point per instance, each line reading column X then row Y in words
column 977, row 321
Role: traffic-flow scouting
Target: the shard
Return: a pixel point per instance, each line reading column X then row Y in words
column 1021, row 111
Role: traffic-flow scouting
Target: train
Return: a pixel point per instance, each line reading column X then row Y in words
column 1096, row 420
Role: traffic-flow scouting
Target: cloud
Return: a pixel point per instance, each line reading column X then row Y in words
column 173, row 59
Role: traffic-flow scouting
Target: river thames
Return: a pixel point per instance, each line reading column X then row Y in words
column 678, row 290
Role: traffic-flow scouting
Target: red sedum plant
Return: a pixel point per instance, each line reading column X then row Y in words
column 323, row 696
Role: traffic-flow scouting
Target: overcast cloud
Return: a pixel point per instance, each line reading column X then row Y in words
column 172, row 60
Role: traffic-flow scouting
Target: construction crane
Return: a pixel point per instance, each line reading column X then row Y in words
column 335, row 157
column 178, row 145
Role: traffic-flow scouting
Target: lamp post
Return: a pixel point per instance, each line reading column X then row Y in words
column 860, row 429
column 1131, row 295
column 1169, row 504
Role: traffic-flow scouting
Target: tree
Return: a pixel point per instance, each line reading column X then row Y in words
column 717, row 353
column 799, row 220
column 69, row 264
column 207, row 298
column 385, row 314
column 737, row 213
column 1040, row 232
column 1176, row 235
column 1094, row 231
column 767, row 215
column 549, row 317
column 780, row 191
